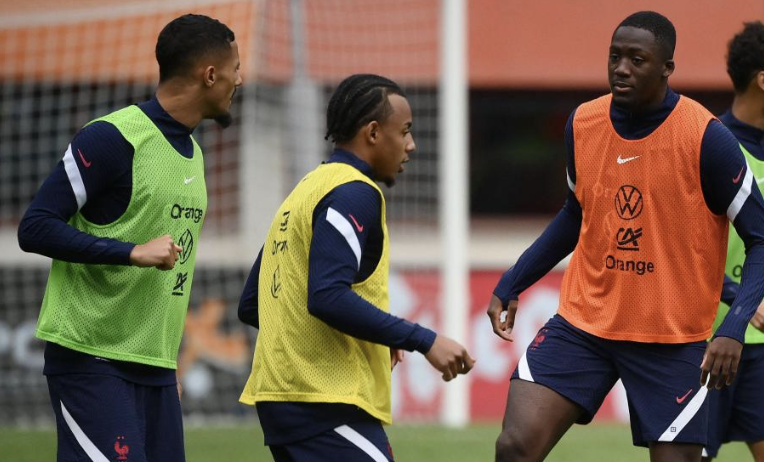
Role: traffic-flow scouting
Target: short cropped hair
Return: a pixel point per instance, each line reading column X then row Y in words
column 186, row 39
column 659, row 25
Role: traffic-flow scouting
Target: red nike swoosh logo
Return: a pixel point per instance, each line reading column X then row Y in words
column 84, row 162
column 681, row 400
column 357, row 226
column 736, row 180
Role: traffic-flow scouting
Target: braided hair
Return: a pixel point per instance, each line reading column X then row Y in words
column 358, row 100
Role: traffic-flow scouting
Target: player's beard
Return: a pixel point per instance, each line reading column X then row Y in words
column 224, row 120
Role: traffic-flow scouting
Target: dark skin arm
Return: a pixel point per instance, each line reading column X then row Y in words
column 502, row 328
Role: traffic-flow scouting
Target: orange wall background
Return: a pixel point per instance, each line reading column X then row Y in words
column 512, row 43
column 564, row 44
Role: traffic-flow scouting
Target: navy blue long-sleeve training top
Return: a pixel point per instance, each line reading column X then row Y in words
column 752, row 139
column 100, row 169
column 720, row 160
column 332, row 269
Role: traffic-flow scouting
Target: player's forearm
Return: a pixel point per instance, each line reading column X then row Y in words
column 749, row 297
column 730, row 290
column 555, row 243
column 346, row 311
column 46, row 234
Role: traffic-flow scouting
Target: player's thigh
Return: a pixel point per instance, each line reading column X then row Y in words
column 562, row 378
column 353, row 442
column 666, row 402
column 96, row 418
column 569, row 361
column 164, row 424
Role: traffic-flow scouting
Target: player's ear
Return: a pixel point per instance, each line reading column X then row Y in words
column 759, row 78
column 209, row 76
column 371, row 132
column 668, row 68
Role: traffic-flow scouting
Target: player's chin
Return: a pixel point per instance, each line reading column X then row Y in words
column 624, row 101
column 224, row 120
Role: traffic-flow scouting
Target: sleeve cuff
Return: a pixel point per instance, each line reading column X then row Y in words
column 122, row 251
column 421, row 340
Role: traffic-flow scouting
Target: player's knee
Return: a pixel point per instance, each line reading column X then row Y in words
column 511, row 447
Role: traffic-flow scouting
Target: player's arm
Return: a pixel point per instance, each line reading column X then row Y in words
column 248, row 303
column 730, row 188
column 342, row 224
column 557, row 241
column 730, row 289
column 97, row 159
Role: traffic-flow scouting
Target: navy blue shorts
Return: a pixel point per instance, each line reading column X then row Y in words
column 666, row 403
column 106, row 418
column 736, row 413
column 354, row 442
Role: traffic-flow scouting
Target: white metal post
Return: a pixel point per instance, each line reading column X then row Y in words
column 453, row 186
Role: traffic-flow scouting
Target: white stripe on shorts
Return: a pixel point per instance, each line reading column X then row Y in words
column 523, row 370
column 362, row 443
column 685, row 416
column 90, row 449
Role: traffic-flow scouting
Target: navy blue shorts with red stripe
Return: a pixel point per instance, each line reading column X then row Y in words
column 665, row 400
column 103, row 418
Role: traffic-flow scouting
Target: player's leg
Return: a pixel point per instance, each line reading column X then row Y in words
column 363, row 441
column 535, row 419
column 96, row 418
column 668, row 408
column 562, row 379
column 164, row 423
column 757, row 450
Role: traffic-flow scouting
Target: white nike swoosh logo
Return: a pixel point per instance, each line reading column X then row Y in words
column 628, row 159
column 188, row 180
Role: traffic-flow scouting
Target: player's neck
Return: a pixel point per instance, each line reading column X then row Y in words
column 749, row 109
column 180, row 103
column 356, row 149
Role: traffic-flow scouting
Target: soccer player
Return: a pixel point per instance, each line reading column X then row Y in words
column 120, row 216
column 653, row 180
column 318, row 292
column 736, row 413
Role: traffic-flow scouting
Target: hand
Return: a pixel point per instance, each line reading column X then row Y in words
column 502, row 328
column 161, row 253
column 180, row 390
column 449, row 357
column 396, row 356
column 758, row 318
column 720, row 361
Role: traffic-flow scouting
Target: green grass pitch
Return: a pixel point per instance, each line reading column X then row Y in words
column 411, row 443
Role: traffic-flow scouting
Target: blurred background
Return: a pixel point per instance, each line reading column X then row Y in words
column 491, row 84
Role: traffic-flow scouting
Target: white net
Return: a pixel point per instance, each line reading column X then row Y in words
column 69, row 63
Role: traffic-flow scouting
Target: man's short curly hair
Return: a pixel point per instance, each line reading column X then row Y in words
column 745, row 56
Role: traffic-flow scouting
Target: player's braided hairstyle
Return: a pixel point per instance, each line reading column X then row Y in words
column 658, row 25
column 358, row 100
column 745, row 57
column 188, row 38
